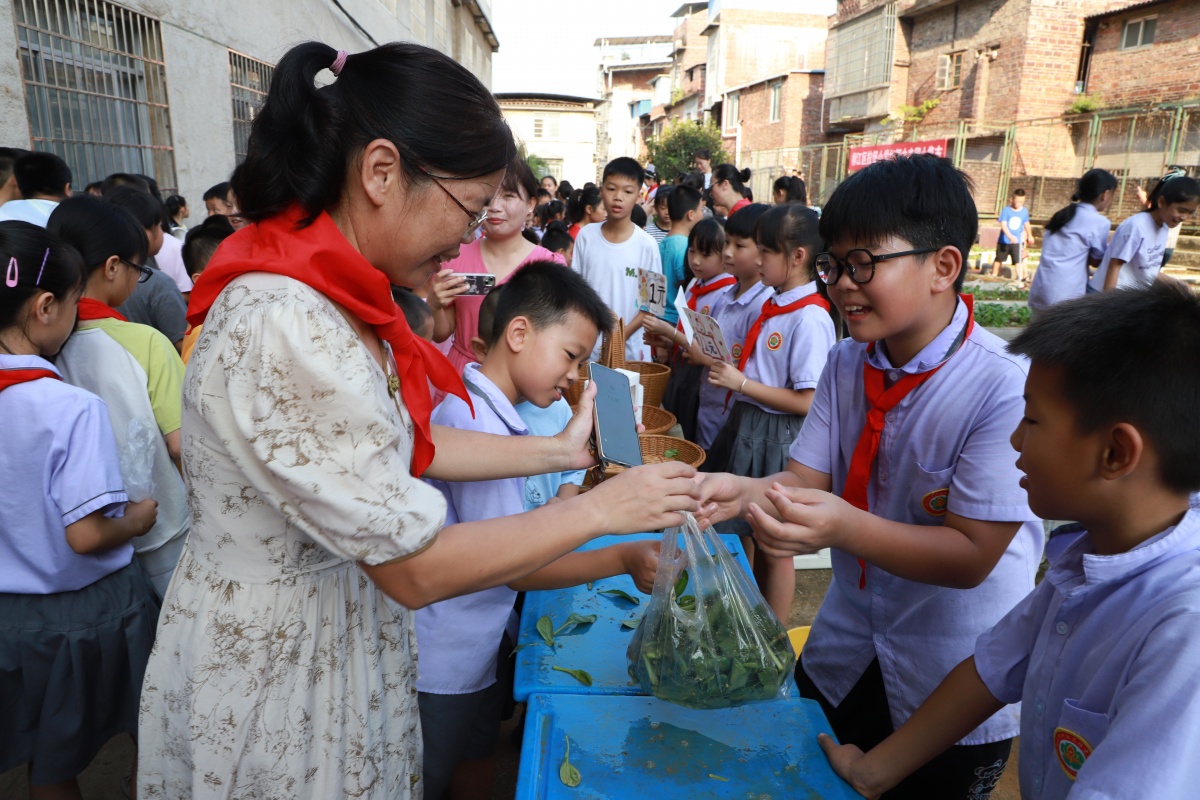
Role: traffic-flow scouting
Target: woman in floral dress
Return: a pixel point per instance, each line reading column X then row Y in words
column 285, row 661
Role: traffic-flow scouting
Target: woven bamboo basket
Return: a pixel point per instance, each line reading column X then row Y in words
column 654, row 449
column 612, row 350
column 654, row 379
column 575, row 389
column 657, row 420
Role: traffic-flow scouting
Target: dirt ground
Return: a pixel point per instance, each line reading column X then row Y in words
column 104, row 779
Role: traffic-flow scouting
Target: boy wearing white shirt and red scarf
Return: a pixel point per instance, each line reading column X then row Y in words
column 903, row 468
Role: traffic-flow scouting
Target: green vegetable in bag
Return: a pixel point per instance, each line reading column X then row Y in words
column 720, row 645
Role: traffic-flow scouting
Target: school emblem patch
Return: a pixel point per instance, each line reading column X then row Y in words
column 935, row 502
column 774, row 341
column 1072, row 751
column 736, row 352
column 705, row 309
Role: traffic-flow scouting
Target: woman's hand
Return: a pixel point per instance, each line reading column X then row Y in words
column 446, row 285
column 646, row 498
column 726, row 376
column 720, row 498
column 640, row 560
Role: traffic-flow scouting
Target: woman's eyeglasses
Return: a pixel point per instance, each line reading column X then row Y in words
column 143, row 271
column 858, row 264
column 476, row 219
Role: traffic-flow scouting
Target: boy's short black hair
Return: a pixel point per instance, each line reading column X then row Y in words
column 8, row 157
column 42, row 174
column 203, row 240
column 922, row 199
column 119, row 179
column 1130, row 355
column 682, row 200
column 624, row 167
column 637, row 215
column 416, row 311
column 742, row 223
column 545, row 293
column 663, row 194
column 145, row 209
column 487, row 314
column 1018, row 192
column 218, row 192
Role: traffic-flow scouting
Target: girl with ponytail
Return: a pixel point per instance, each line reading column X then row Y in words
column 729, row 188
column 1075, row 239
column 285, row 662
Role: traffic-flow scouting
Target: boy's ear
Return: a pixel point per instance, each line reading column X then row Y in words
column 1122, row 453
column 947, row 262
column 516, row 335
column 479, row 348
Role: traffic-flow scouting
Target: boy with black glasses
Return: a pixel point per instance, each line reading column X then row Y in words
column 903, row 468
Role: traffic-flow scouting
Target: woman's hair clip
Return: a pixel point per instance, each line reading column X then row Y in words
column 338, row 63
column 12, row 275
column 1178, row 172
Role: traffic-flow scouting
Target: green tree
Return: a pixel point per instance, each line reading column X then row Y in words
column 672, row 152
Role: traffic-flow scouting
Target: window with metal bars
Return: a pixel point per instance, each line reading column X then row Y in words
column 249, row 80
column 96, row 88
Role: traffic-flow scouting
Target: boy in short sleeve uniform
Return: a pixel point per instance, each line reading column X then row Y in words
column 459, row 697
column 612, row 270
column 1105, row 654
column 735, row 315
column 945, row 447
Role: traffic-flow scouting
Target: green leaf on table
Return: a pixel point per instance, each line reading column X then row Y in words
column 621, row 594
column 545, row 626
column 718, row 778
column 578, row 674
column 575, row 620
column 521, row 647
column 567, row 772
column 687, row 602
column 630, row 624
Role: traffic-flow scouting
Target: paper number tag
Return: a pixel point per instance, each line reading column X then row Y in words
column 652, row 292
column 709, row 336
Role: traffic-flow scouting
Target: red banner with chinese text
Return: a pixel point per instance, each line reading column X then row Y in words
column 866, row 156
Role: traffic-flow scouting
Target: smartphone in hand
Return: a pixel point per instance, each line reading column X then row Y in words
column 478, row 283
column 616, row 428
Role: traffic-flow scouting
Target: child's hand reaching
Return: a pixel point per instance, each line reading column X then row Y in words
column 847, row 761
column 726, row 376
column 640, row 560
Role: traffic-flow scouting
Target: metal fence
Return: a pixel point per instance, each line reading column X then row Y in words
column 1042, row 156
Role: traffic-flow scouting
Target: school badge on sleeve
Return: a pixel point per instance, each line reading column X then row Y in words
column 706, row 309
column 1072, row 751
column 774, row 341
column 935, row 502
column 736, row 352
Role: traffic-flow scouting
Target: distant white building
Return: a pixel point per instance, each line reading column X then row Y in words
column 559, row 129
column 628, row 66
column 170, row 89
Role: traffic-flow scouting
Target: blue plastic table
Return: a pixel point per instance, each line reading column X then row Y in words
column 628, row 747
column 598, row 648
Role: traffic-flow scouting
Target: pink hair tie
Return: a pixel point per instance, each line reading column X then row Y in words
column 338, row 63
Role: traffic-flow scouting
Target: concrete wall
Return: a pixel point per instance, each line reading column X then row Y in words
column 197, row 38
column 575, row 143
column 749, row 45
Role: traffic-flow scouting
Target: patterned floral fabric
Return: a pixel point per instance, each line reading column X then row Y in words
column 279, row 670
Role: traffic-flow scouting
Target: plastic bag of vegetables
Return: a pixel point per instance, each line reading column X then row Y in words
column 708, row 639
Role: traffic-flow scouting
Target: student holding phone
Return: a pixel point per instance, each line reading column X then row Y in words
column 501, row 251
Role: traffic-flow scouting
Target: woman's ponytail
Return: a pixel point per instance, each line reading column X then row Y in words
column 1094, row 183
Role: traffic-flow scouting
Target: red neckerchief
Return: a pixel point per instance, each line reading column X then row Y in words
column 319, row 256
column 90, row 309
column 881, row 401
column 738, row 206
column 11, row 377
column 769, row 310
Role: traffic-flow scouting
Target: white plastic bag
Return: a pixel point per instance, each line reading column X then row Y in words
column 137, row 459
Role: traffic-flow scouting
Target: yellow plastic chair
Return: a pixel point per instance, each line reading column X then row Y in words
column 799, row 636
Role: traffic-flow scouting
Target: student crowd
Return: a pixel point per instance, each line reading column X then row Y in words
column 237, row 561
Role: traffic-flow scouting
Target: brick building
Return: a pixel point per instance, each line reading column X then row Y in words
column 683, row 88
column 775, row 116
column 1141, row 53
column 628, row 68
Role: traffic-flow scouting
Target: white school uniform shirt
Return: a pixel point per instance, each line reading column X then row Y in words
column 792, row 348
column 458, row 639
column 170, row 260
column 735, row 315
column 1139, row 242
column 1104, row 656
column 612, row 270
column 1062, row 272
column 945, row 447
column 35, row 211
column 58, row 464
